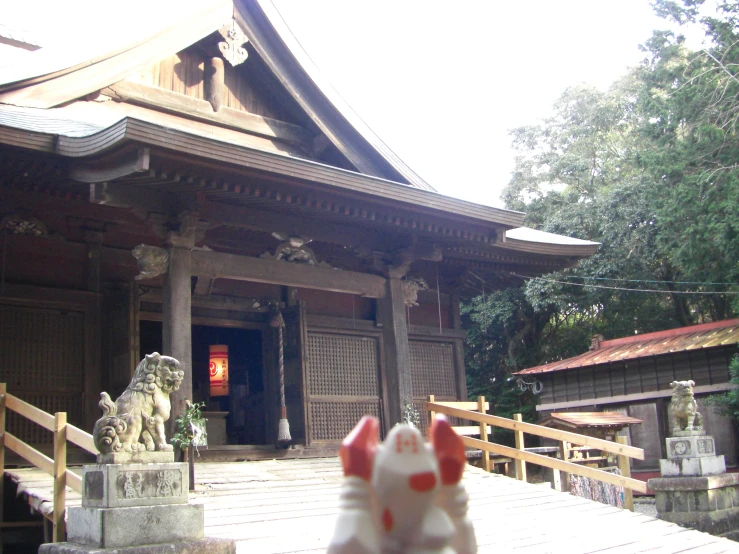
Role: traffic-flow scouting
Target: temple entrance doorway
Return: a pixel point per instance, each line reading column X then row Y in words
column 236, row 415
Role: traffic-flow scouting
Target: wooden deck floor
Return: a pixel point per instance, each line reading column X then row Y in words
column 280, row 506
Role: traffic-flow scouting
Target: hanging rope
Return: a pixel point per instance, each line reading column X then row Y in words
column 283, row 431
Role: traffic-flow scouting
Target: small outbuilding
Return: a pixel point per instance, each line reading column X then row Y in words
column 632, row 376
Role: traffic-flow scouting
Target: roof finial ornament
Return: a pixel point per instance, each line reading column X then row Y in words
column 232, row 49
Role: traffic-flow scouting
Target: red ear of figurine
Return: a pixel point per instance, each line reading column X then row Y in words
column 449, row 450
column 358, row 448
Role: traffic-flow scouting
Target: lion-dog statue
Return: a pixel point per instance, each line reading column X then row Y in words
column 135, row 422
column 684, row 407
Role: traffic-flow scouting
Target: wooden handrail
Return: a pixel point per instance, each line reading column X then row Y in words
column 29, row 411
column 56, row 467
column 539, row 430
column 41, row 461
column 557, row 464
column 81, row 438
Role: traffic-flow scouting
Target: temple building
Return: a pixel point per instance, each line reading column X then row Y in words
column 176, row 193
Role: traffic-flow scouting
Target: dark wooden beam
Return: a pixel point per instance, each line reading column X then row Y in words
column 100, row 173
column 179, row 104
column 244, row 268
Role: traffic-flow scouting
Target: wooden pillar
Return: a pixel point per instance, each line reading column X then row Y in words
column 2, row 455
column 624, row 465
column 177, row 325
column 397, row 352
column 520, row 464
column 60, row 476
column 484, row 434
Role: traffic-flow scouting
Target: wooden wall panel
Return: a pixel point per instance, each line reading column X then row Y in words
column 42, row 360
column 184, row 73
column 723, row 430
column 647, row 435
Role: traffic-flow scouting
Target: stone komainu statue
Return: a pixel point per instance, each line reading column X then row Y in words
column 684, row 407
column 135, row 422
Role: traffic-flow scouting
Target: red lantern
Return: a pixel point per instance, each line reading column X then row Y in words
column 218, row 368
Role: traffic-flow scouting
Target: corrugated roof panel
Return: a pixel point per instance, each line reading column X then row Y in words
column 708, row 335
column 593, row 419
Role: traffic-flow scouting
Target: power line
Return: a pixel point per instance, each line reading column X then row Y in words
column 646, row 280
column 625, row 289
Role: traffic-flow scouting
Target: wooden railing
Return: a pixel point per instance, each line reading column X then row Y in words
column 56, row 467
column 566, row 439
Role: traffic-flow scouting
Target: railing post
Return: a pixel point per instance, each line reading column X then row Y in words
column 483, row 434
column 2, row 454
column 564, row 478
column 520, row 464
column 625, row 467
column 432, row 414
column 60, row 475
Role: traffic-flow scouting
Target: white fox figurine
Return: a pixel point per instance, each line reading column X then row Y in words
column 403, row 496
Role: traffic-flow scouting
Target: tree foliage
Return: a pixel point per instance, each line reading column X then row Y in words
column 648, row 168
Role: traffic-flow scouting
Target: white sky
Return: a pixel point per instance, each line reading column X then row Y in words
column 440, row 82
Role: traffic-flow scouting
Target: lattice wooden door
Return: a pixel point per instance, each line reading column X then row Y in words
column 42, row 362
column 432, row 372
column 343, row 383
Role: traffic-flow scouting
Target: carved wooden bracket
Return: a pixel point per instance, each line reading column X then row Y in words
column 294, row 249
column 397, row 264
column 17, row 224
column 152, row 261
column 232, row 48
column 411, row 286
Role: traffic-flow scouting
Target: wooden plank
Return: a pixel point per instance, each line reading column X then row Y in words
column 28, row 453
column 464, row 405
column 245, row 268
column 29, row 411
column 81, row 438
column 540, row 431
column 143, row 95
column 554, row 463
column 74, row 482
column 468, row 430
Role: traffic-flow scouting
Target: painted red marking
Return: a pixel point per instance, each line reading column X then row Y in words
column 422, row 482
column 387, row 520
column 357, row 452
column 449, row 450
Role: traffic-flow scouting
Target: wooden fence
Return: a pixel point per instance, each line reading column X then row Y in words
column 464, row 410
column 56, row 467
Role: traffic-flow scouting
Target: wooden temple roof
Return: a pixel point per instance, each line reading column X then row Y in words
column 707, row 335
column 87, row 131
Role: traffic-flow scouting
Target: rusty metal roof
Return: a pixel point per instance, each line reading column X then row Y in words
column 581, row 420
column 707, row 335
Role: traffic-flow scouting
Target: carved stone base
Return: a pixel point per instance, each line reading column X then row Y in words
column 136, row 458
column 121, row 527
column 126, row 485
column 693, row 467
column 690, row 446
column 208, row 545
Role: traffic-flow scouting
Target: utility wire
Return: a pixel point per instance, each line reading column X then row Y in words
column 625, row 289
column 645, row 280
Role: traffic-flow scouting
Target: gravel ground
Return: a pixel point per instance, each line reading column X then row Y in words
column 645, row 505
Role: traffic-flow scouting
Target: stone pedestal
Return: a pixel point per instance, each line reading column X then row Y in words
column 695, row 491
column 136, row 508
column 709, row 504
column 691, row 454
